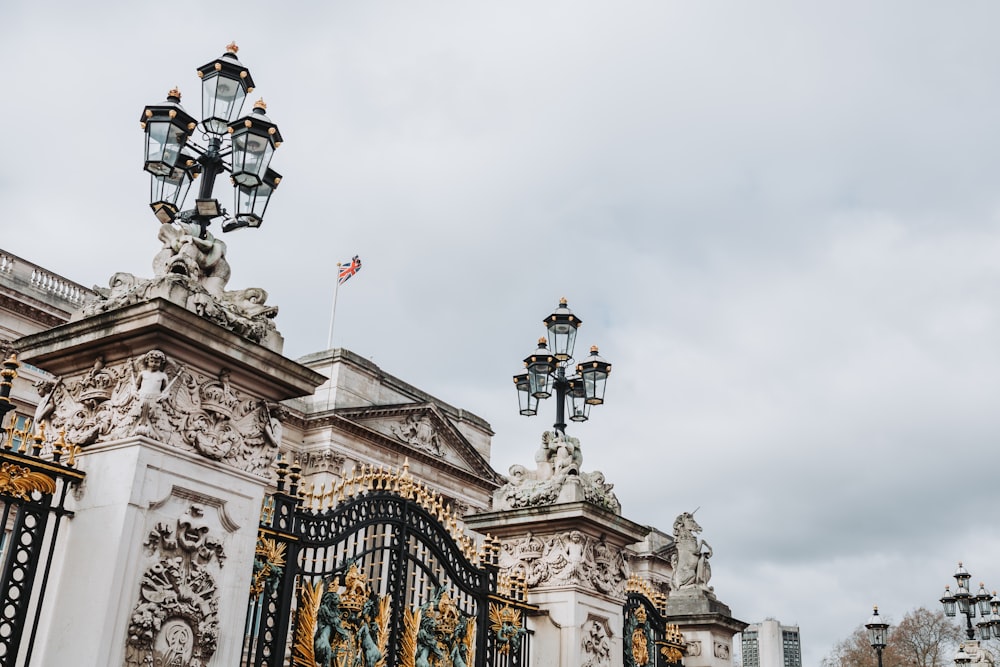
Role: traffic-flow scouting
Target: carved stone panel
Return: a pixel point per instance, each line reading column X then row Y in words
column 175, row 621
column 595, row 646
column 166, row 401
column 572, row 558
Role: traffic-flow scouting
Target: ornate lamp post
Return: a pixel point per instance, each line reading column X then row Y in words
column 877, row 633
column 966, row 602
column 242, row 146
column 546, row 372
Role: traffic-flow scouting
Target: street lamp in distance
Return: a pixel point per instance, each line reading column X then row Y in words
column 877, row 633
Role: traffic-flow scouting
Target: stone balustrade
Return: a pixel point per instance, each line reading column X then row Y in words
column 24, row 272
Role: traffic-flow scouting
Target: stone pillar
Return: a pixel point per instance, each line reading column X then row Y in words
column 708, row 627
column 572, row 557
column 179, row 425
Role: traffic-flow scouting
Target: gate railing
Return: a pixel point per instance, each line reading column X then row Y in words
column 649, row 640
column 377, row 572
column 33, row 489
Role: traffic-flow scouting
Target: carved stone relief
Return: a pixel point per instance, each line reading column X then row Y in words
column 558, row 464
column 175, row 620
column 572, row 558
column 693, row 648
column 417, row 430
column 192, row 272
column 595, row 646
column 722, row 650
column 165, row 401
column 325, row 460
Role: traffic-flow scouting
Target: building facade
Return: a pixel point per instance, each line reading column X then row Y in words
column 771, row 644
column 175, row 396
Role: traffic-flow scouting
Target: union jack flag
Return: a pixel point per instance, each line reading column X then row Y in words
column 348, row 269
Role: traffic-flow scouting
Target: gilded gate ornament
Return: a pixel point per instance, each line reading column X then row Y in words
column 20, row 482
column 341, row 623
column 268, row 565
column 438, row 634
column 507, row 626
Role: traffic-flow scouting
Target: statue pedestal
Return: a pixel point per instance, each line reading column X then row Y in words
column 571, row 555
column 155, row 564
column 708, row 627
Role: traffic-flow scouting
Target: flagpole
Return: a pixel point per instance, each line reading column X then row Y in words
column 333, row 311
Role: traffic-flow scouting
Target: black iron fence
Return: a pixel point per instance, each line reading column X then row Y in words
column 33, row 490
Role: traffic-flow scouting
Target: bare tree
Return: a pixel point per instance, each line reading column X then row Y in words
column 924, row 638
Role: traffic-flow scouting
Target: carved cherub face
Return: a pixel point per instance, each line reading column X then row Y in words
column 155, row 360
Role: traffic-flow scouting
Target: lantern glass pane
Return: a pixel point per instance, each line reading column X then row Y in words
column 163, row 146
column 594, row 382
column 251, row 155
column 949, row 606
column 580, row 409
column 539, row 382
column 562, row 339
column 221, row 101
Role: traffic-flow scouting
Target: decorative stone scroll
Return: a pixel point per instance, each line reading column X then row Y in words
column 573, row 558
column 557, row 478
column 165, row 401
column 192, row 272
column 176, row 619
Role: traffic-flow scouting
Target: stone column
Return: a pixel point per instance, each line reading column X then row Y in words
column 179, row 425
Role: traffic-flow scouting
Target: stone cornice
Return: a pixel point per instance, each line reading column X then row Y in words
column 182, row 334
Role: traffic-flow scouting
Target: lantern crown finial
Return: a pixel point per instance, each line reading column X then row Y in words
column 260, row 104
column 174, row 94
column 562, row 301
column 232, row 48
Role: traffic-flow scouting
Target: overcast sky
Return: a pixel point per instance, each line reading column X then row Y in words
column 779, row 220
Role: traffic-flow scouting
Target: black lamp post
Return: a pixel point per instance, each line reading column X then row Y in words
column 968, row 603
column 546, row 372
column 877, row 633
column 242, row 146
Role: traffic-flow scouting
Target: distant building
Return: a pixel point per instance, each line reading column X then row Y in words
column 770, row 644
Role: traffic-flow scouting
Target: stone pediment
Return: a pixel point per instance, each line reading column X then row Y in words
column 423, row 429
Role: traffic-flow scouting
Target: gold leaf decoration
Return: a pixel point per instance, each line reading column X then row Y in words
column 383, row 629
column 21, row 482
column 304, row 650
column 408, row 642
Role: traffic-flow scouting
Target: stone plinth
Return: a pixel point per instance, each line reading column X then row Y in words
column 708, row 627
column 572, row 558
column 179, row 426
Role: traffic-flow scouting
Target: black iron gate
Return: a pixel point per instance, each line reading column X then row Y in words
column 649, row 640
column 33, row 488
column 376, row 572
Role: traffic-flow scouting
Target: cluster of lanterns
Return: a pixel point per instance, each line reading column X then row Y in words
column 969, row 603
column 546, row 371
column 174, row 162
